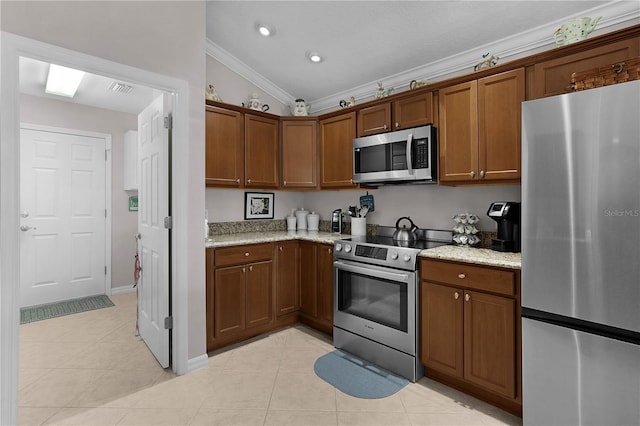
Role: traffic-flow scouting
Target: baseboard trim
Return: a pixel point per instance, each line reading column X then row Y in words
column 122, row 290
column 197, row 363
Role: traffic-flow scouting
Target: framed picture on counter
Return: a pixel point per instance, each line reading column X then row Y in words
column 258, row 205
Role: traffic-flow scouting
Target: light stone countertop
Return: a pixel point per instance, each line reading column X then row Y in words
column 462, row 254
column 267, row 237
column 480, row 256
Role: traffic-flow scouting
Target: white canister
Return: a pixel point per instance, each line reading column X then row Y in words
column 313, row 220
column 301, row 217
column 358, row 226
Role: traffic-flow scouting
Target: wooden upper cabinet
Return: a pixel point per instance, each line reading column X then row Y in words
column 299, row 153
column 261, row 152
column 458, row 132
column 224, row 147
column 336, row 151
column 374, row 119
column 500, row 100
column 479, row 129
column 413, row 111
column 553, row 77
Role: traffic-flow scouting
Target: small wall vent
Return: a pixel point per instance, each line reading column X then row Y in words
column 120, row 87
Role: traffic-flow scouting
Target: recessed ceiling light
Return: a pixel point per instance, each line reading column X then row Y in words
column 265, row 30
column 63, row 81
column 314, row 57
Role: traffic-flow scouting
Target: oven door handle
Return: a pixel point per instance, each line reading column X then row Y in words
column 392, row 276
column 408, row 154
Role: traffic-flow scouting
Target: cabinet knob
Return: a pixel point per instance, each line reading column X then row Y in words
column 462, row 276
column 285, row 182
column 248, row 180
column 384, row 127
column 244, row 269
column 246, row 254
column 280, row 248
column 251, row 268
column 467, row 297
column 482, row 173
column 472, row 173
column 397, row 124
column 456, row 295
column 238, row 180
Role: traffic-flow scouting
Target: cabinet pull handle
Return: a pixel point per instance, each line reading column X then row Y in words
column 462, row 276
column 285, row 182
column 472, row 173
column 384, row 127
column 246, row 254
column 250, row 268
column 467, row 297
column 280, row 248
column 482, row 173
column 397, row 124
column 456, row 295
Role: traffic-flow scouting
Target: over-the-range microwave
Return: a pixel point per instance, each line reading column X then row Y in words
column 403, row 156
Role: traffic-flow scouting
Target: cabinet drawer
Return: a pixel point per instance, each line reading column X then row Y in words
column 469, row 276
column 242, row 254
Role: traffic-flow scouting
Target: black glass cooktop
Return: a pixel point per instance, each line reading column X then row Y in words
column 389, row 241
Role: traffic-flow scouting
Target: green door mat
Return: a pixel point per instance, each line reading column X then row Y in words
column 66, row 307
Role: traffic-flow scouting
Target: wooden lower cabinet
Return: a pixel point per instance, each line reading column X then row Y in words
column 229, row 295
column 316, row 285
column 470, row 330
column 287, row 277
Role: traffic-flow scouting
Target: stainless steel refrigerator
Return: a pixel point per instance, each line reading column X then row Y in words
column 581, row 258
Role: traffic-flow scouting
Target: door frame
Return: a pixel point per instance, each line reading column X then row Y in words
column 107, row 187
column 14, row 46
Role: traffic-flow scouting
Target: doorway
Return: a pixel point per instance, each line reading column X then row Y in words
column 12, row 48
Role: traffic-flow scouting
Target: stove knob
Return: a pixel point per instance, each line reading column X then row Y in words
column 347, row 248
column 406, row 257
column 394, row 255
column 338, row 246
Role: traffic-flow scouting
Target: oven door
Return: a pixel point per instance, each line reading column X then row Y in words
column 377, row 303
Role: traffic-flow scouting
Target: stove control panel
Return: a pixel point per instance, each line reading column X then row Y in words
column 395, row 257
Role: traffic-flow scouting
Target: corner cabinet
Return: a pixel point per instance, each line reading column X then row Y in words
column 336, row 151
column 224, row 136
column 479, row 129
column 405, row 112
column 316, row 285
column 470, row 330
column 299, row 153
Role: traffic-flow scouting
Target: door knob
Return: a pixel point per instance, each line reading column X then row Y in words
column 25, row 228
column 24, row 214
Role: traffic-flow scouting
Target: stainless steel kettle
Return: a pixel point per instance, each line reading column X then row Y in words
column 404, row 235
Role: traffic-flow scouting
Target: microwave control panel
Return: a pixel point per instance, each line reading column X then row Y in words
column 421, row 154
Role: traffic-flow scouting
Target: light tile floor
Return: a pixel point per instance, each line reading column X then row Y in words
column 91, row 369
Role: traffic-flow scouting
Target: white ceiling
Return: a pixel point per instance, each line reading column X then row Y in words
column 362, row 41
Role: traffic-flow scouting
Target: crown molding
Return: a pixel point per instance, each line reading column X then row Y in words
column 532, row 41
column 248, row 73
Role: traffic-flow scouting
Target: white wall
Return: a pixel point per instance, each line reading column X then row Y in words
column 164, row 37
column 227, row 205
column 235, row 90
column 124, row 224
column 429, row 206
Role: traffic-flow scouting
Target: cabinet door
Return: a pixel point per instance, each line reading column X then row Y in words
column 259, row 288
column 413, row 111
column 499, row 114
column 490, row 342
column 299, row 154
column 553, row 77
column 458, row 132
column 224, row 133
column 287, row 273
column 261, row 152
column 309, row 279
column 441, row 328
column 336, row 151
column 229, row 300
column 325, row 283
column 374, row 119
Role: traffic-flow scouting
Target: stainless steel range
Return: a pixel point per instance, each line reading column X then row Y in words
column 376, row 298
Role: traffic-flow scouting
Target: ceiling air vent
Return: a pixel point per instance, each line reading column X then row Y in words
column 120, row 87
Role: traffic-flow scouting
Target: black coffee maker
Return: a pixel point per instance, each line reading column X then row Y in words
column 507, row 214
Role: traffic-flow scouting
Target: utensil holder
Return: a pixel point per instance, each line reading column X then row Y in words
column 358, row 226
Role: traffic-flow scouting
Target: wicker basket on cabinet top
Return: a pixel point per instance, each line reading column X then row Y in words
column 619, row 72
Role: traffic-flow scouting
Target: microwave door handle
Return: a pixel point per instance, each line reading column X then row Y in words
column 391, row 276
column 409, row 159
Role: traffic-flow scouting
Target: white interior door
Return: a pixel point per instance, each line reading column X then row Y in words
column 63, row 216
column 153, row 243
